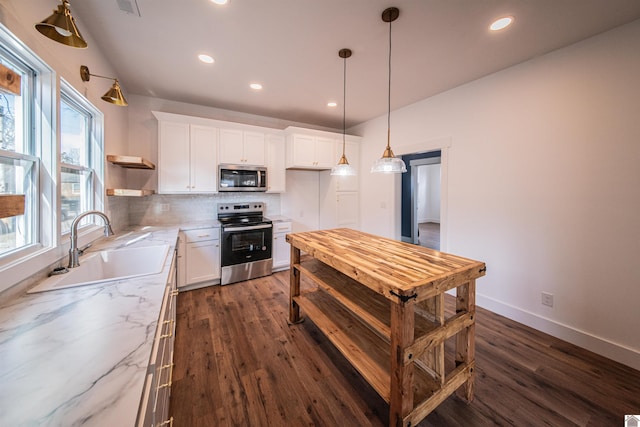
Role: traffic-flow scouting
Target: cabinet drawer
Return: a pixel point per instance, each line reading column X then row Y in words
column 201, row 235
column 281, row 227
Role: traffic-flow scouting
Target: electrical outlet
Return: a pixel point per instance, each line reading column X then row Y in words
column 547, row 299
column 165, row 207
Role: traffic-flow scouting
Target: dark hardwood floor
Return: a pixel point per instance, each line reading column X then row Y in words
column 239, row 363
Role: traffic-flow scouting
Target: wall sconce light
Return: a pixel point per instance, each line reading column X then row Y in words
column 113, row 95
column 389, row 163
column 61, row 27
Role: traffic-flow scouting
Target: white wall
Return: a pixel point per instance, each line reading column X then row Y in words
column 428, row 193
column 543, row 174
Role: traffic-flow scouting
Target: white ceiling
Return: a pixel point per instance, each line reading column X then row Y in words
column 291, row 47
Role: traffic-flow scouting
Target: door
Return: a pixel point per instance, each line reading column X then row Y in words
column 409, row 192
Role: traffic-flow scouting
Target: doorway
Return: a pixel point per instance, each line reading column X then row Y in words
column 421, row 199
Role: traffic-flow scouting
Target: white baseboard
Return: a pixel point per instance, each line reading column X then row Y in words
column 599, row 345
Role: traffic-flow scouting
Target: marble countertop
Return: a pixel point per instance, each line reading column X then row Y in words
column 79, row 356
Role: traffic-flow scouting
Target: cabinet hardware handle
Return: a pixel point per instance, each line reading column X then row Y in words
column 167, row 384
column 170, row 334
column 203, row 235
column 167, row 422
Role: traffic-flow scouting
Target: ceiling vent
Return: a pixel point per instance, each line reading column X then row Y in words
column 128, row 6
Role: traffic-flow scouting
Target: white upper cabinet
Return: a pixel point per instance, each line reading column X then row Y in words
column 309, row 150
column 276, row 173
column 187, row 156
column 242, row 147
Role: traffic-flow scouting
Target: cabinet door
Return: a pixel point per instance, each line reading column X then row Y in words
column 276, row 172
column 281, row 251
column 231, row 146
column 324, row 155
column 173, row 157
column 203, row 261
column 304, row 151
column 254, row 148
column 203, row 159
column 347, row 213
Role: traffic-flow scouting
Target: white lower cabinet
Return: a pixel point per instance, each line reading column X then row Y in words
column 200, row 251
column 154, row 405
column 280, row 251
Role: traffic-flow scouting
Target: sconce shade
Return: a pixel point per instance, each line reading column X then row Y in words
column 61, row 27
column 115, row 96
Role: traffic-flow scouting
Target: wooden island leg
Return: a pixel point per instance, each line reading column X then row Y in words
column 401, row 397
column 465, row 339
column 294, row 286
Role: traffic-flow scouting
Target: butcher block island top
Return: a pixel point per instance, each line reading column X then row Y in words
column 381, row 303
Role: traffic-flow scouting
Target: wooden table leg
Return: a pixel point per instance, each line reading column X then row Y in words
column 465, row 339
column 294, row 286
column 402, row 330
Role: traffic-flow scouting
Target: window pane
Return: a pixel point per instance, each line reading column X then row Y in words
column 18, row 176
column 12, row 115
column 74, row 135
column 75, row 195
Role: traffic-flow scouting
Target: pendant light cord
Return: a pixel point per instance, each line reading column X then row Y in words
column 344, row 104
column 389, row 98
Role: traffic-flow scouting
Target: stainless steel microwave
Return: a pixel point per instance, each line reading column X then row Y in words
column 242, row 178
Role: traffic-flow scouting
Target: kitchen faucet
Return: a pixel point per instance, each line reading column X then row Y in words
column 74, row 252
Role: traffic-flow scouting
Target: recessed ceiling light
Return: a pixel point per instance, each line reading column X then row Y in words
column 255, row 86
column 332, row 104
column 220, row 1
column 501, row 23
column 206, row 58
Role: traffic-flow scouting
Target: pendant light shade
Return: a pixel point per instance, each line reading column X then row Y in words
column 343, row 168
column 113, row 95
column 389, row 163
column 61, row 27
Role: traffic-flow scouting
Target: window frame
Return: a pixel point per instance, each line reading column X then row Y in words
column 51, row 247
column 94, row 156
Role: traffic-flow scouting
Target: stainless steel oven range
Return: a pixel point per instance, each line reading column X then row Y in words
column 246, row 239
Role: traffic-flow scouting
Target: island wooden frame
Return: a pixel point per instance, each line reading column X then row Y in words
column 381, row 303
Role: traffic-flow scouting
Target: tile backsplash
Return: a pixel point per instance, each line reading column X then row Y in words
column 173, row 209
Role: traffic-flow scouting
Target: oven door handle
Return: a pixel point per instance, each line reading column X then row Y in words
column 247, row 228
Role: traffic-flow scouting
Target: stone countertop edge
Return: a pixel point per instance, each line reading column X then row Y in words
column 79, row 356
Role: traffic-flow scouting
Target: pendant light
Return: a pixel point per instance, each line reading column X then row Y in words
column 389, row 163
column 343, row 168
column 113, row 95
column 61, row 27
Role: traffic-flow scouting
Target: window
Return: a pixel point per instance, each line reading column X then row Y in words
column 80, row 157
column 19, row 164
